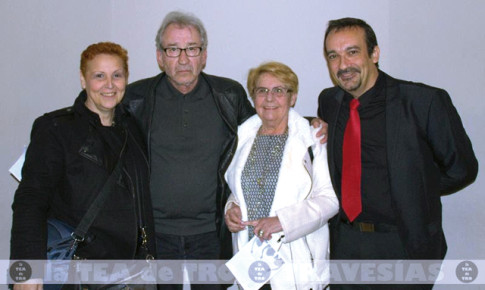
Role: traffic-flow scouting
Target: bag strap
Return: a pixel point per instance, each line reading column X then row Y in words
column 89, row 217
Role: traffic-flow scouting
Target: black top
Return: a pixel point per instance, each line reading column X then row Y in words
column 68, row 161
column 187, row 139
column 376, row 199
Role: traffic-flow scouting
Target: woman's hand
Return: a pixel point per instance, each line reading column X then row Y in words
column 233, row 219
column 263, row 228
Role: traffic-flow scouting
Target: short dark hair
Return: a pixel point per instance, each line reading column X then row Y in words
column 349, row 22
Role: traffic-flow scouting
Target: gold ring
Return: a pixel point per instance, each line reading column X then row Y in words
column 261, row 232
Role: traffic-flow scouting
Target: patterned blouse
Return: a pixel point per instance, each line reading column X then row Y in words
column 260, row 175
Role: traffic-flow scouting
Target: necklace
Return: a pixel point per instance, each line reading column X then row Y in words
column 270, row 154
column 260, row 173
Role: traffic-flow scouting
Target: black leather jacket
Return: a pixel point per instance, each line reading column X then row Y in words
column 67, row 163
column 233, row 106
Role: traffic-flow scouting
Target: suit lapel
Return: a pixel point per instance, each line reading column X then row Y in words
column 339, row 96
column 393, row 120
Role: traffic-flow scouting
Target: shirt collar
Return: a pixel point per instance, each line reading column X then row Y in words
column 370, row 94
column 196, row 93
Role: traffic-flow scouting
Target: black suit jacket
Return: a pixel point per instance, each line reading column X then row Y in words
column 428, row 153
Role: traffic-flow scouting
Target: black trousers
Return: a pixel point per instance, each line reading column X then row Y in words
column 204, row 246
column 348, row 242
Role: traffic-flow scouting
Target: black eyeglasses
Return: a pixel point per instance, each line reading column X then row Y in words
column 189, row 51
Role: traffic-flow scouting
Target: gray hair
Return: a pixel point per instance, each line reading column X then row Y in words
column 181, row 19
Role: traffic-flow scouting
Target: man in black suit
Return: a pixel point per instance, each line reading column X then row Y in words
column 413, row 149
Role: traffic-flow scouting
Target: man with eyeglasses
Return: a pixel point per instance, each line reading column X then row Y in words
column 190, row 120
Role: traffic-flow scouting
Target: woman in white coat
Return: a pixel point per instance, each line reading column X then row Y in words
column 280, row 184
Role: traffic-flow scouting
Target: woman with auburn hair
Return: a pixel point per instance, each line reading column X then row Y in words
column 72, row 154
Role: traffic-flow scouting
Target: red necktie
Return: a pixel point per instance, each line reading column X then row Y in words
column 352, row 164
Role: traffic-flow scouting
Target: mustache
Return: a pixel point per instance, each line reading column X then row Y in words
column 348, row 70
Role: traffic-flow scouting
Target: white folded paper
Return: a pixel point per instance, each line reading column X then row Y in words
column 255, row 264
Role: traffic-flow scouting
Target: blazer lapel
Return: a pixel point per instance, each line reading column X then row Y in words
column 393, row 120
column 339, row 96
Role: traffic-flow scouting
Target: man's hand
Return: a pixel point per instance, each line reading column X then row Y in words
column 316, row 123
column 233, row 219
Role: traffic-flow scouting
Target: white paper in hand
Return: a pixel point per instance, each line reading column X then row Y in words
column 255, row 264
column 16, row 169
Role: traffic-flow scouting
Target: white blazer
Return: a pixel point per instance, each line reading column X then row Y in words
column 304, row 201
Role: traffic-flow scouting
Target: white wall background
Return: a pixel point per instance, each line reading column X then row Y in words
column 436, row 42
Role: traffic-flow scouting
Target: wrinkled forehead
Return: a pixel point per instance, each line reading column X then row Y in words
column 176, row 32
